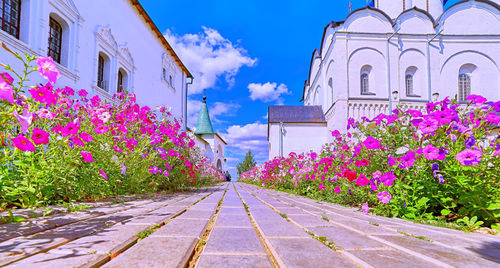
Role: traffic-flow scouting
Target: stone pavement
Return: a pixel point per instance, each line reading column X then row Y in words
column 236, row 225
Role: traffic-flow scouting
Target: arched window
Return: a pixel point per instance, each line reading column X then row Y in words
column 409, row 84
column 10, row 12
column 330, row 86
column 464, row 86
column 55, row 40
column 122, row 81
column 103, row 71
column 170, row 80
column 365, row 84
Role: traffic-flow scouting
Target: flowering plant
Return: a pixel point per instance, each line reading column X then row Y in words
column 439, row 163
column 57, row 144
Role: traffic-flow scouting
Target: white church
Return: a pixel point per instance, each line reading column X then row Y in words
column 103, row 46
column 393, row 53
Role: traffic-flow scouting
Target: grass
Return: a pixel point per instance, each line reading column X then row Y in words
column 325, row 241
column 415, row 236
column 325, row 218
column 147, row 232
column 373, row 223
column 283, row 215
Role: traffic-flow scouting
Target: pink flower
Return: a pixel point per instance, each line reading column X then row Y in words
column 321, row 186
column 388, row 178
column 117, row 149
column 371, row 143
column 103, row 174
column 476, row 99
column 77, row 141
column 44, row 94
column 428, row 125
column 86, row 137
column 24, row 120
column 415, row 113
column 23, row 144
column 384, row 197
column 172, row 152
column 335, row 133
column 70, row 129
column 469, row 157
column 166, row 173
column 337, row 189
column 168, row 166
column 365, row 208
column 68, row 91
column 376, row 174
column 96, row 100
column 123, row 169
column 6, row 92
column 48, row 69
column 44, row 113
column 87, row 156
column 191, row 143
column 101, row 129
column 82, row 93
column 362, row 180
column 430, row 152
column 40, row 136
column 153, row 169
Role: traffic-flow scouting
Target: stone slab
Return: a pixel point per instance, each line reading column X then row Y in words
column 197, row 214
column 235, row 211
column 443, row 254
column 307, row 252
column 265, row 214
column 390, row 258
column 246, row 261
column 160, row 252
column 281, row 228
column 233, row 220
column 182, row 227
column 309, row 220
column 233, row 240
column 60, row 260
column 344, row 238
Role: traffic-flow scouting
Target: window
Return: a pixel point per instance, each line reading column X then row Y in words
column 164, row 74
column 101, row 82
column 170, row 80
column 10, row 12
column 55, row 38
column 409, row 84
column 119, row 87
column 365, row 86
column 464, row 86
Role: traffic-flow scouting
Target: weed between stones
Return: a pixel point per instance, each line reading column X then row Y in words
column 416, row 236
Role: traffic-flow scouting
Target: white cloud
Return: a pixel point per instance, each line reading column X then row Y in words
column 216, row 110
column 268, row 92
column 253, row 137
column 209, row 56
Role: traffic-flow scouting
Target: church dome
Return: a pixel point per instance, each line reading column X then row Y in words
column 395, row 7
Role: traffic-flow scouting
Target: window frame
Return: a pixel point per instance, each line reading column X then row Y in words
column 9, row 24
column 464, row 86
column 364, row 83
column 409, row 85
column 50, row 51
column 101, row 65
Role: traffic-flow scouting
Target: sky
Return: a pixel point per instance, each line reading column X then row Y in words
column 248, row 55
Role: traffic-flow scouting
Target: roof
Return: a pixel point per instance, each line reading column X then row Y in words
column 159, row 35
column 296, row 114
column 204, row 125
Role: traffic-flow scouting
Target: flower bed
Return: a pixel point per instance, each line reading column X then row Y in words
column 58, row 145
column 438, row 164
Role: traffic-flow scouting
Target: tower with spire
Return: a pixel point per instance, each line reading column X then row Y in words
column 208, row 140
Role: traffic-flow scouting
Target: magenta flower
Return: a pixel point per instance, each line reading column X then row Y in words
column 103, row 174
column 70, row 129
column 166, row 173
column 44, row 94
column 82, row 93
column 476, row 99
column 101, row 129
column 48, row 69
column 40, row 136
column 362, row 180
column 191, row 144
column 24, row 120
column 172, row 152
column 87, row 156
column 443, row 117
column 415, row 113
column 428, row 125
column 384, row 197
column 371, row 143
column 68, row 91
column 335, row 133
column 6, row 92
column 469, row 157
column 168, row 166
column 337, row 189
column 23, row 144
column 77, row 141
column 86, row 137
column 430, row 152
column 44, row 113
column 365, row 208
column 153, row 169
column 96, row 100
column 321, row 186
column 388, row 178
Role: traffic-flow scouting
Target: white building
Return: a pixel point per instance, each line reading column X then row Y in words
column 101, row 46
column 404, row 52
column 210, row 142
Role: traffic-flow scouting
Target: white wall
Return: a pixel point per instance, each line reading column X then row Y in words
column 298, row 138
column 114, row 28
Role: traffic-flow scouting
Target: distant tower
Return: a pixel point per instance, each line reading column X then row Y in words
column 204, row 125
column 395, row 7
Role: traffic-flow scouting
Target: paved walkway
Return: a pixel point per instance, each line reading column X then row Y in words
column 236, row 225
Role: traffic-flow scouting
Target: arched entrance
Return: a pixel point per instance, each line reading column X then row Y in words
column 219, row 165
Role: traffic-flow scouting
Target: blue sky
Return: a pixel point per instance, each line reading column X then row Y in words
column 248, row 54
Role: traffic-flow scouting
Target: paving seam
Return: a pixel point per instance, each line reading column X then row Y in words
column 70, row 240
column 200, row 246
column 271, row 252
column 135, row 240
column 356, row 261
column 461, row 249
column 416, row 254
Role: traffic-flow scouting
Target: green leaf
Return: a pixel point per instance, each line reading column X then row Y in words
column 445, row 212
column 496, row 226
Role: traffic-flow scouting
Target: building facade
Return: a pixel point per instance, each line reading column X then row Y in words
column 101, row 46
column 404, row 53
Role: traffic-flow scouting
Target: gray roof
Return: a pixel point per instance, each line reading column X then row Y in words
column 296, row 114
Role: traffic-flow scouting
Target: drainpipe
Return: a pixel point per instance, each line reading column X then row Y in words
column 429, row 82
column 281, row 139
column 190, row 82
column 389, row 93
